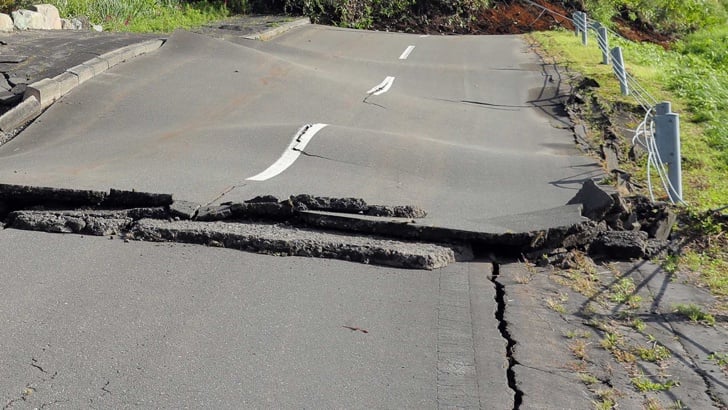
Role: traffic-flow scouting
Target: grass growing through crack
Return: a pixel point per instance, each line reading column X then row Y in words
column 623, row 293
column 638, row 324
column 653, row 354
column 588, row 379
column 644, row 384
column 578, row 349
column 557, row 305
column 720, row 359
column 607, row 399
column 695, row 313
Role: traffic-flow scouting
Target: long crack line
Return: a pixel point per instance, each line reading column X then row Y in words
column 500, row 299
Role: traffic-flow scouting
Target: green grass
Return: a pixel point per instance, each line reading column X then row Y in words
column 654, row 353
column 693, row 76
column 697, row 91
column 142, row 15
column 643, row 384
column 695, row 313
column 720, row 359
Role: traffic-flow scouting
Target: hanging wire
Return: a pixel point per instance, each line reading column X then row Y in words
column 645, row 133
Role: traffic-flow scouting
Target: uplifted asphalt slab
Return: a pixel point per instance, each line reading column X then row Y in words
column 467, row 141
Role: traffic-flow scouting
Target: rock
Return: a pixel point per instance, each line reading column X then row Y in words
column 6, row 23
column 67, row 24
column 98, row 28
column 595, row 201
column 51, row 15
column 620, row 245
column 28, row 20
column 79, row 23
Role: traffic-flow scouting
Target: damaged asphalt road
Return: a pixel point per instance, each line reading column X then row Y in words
column 456, row 162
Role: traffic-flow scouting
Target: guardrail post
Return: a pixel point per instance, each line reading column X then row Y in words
column 620, row 70
column 580, row 26
column 667, row 138
column 603, row 40
column 584, row 28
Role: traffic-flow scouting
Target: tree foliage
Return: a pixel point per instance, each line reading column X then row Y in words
column 667, row 16
column 367, row 13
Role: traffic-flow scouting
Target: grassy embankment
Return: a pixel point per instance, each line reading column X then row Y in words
column 140, row 15
column 693, row 75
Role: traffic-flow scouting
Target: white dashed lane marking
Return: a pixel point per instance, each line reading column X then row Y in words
column 406, row 53
column 291, row 154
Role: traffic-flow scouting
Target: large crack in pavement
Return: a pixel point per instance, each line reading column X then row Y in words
column 341, row 228
column 500, row 299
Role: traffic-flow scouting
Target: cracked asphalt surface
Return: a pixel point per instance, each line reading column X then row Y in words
column 469, row 129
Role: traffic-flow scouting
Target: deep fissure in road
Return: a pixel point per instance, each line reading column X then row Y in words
column 500, row 299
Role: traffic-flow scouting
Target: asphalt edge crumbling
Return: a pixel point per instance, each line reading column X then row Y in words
column 43, row 93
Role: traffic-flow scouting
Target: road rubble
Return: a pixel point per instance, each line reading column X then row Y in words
column 338, row 228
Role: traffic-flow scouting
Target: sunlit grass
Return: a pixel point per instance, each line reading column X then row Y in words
column 142, row 15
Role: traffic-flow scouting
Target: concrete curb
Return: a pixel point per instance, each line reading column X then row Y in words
column 276, row 31
column 22, row 113
column 48, row 90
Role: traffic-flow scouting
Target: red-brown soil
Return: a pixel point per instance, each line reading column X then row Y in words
column 514, row 17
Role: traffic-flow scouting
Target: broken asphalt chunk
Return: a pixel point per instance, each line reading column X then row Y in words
column 184, row 209
column 279, row 239
column 23, row 196
column 322, row 203
column 595, row 201
column 132, row 199
column 91, row 223
column 621, row 245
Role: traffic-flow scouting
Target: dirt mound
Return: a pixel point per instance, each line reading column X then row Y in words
column 513, row 17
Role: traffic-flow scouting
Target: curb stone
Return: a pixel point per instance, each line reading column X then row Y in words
column 48, row 90
column 26, row 111
column 276, row 31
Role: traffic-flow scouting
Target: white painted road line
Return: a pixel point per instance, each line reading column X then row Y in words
column 291, row 154
column 383, row 87
column 406, row 52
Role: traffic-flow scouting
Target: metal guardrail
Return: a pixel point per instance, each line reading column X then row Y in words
column 659, row 133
